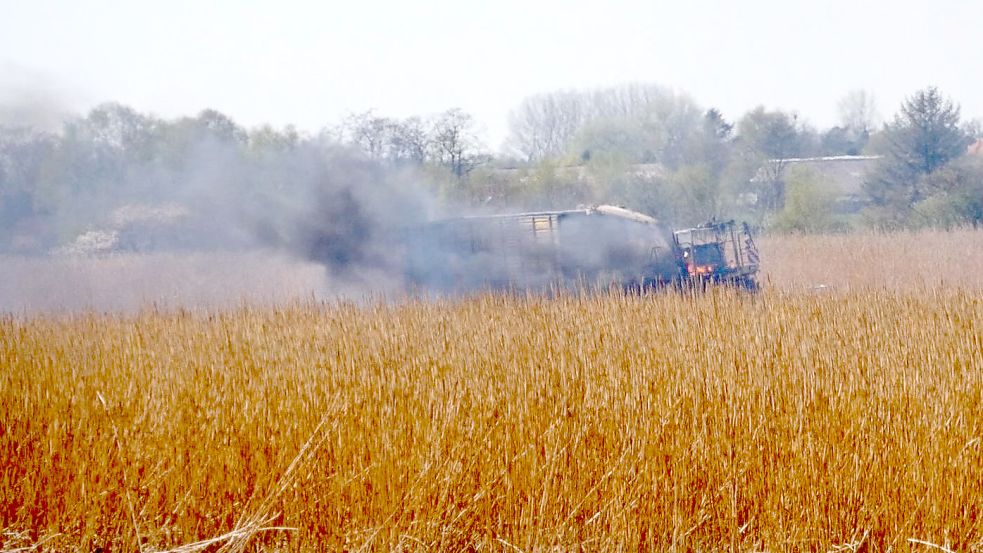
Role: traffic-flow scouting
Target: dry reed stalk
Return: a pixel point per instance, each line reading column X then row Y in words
column 846, row 420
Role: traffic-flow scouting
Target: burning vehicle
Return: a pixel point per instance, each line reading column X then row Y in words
column 593, row 246
column 719, row 252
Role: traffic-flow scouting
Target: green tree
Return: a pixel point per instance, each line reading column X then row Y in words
column 839, row 141
column 548, row 185
column 24, row 156
column 713, row 143
column 924, row 136
column 608, row 138
column 695, row 194
column 955, row 195
column 767, row 140
column 808, row 204
column 642, row 192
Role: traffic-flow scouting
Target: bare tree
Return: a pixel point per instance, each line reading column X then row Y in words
column 407, row 141
column 630, row 101
column 858, row 112
column 455, row 143
column 368, row 132
column 973, row 128
column 385, row 138
column 543, row 125
column 644, row 122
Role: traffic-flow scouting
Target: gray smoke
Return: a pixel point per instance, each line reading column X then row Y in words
column 116, row 200
column 121, row 209
column 29, row 99
column 540, row 251
column 346, row 214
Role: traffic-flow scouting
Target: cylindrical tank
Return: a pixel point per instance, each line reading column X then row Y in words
column 601, row 245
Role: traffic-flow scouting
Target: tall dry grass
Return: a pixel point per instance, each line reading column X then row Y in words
column 225, row 280
column 779, row 422
column 169, row 280
column 907, row 260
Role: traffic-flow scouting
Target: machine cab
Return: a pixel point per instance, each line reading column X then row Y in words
column 718, row 251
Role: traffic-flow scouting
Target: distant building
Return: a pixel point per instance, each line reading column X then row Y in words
column 845, row 175
column 976, row 148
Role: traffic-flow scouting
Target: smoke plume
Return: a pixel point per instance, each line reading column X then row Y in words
column 160, row 211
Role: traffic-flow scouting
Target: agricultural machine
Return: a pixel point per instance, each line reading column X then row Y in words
column 719, row 252
column 595, row 246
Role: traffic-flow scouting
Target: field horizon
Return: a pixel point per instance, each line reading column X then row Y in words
column 224, row 280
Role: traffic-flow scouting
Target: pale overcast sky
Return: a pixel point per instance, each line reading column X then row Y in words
column 310, row 63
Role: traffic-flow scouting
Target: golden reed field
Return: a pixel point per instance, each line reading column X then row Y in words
column 840, row 418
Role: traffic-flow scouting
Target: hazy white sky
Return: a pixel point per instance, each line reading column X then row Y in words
column 310, row 63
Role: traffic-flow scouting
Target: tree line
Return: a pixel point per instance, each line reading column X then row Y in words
column 709, row 166
column 643, row 146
